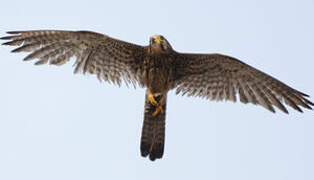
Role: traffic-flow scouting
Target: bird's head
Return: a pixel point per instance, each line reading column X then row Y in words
column 159, row 45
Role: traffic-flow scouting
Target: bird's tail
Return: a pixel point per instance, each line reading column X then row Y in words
column 153, row 130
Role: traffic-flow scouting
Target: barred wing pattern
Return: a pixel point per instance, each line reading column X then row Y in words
column 110, row 59
column 219, row 77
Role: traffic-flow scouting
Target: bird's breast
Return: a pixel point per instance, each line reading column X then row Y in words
column 158, row 74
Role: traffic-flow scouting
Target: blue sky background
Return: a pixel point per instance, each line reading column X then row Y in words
column 56, row 125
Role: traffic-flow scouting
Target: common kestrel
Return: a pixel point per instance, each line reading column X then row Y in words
column 158, row 68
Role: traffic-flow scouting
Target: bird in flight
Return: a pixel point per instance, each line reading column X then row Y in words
column 158, row 68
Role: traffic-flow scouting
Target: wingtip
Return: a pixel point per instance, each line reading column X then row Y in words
column 7, row 43
column 9, row 37
column 309, row 102
column 14, row 32
column 16, row 50
column 27, row 58
column 5, row 37
column 272, row 110
column 285, row 111
column 300, row 110
column 303, row 94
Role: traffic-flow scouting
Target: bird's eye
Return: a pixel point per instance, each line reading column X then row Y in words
column 153, row 40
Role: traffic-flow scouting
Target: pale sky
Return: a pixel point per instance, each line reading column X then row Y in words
column 56, row 125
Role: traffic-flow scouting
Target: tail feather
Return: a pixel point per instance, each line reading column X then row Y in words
column 153, row 131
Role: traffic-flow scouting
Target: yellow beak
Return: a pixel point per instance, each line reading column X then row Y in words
column 158, row 38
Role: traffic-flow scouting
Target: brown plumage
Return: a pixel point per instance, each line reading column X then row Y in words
column 158, row 68
column 153, row 130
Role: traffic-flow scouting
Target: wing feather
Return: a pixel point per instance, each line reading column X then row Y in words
column 109, row 59
column 220, row 77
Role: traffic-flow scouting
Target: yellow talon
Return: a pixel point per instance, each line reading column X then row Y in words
column 158, row 109
column 152, row 99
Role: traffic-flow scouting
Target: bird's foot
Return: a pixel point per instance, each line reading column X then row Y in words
column 158, row 106
column 152, row 99
column 158, row 110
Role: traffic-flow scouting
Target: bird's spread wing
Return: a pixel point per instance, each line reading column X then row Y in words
column 110, row 59
column 220, row 77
